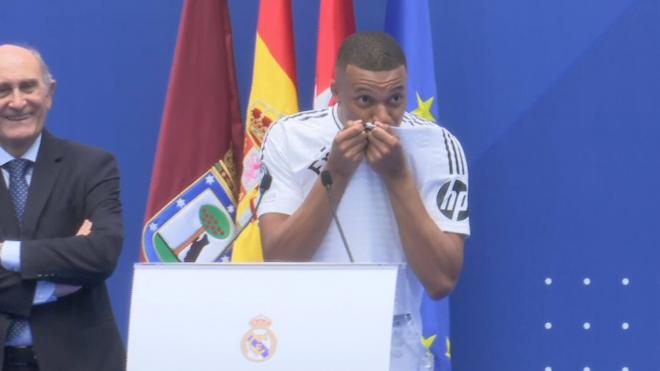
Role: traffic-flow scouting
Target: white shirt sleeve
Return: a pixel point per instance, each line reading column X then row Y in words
column 440, row 168
column 11, row 256
column 285, row 194
column 446, row 198
column 44, row 293
column 11, row 261
column 448, row 204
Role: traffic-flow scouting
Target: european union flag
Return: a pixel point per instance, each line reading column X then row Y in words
column 409, row 22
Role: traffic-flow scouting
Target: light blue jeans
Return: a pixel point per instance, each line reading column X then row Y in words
column 408, row 353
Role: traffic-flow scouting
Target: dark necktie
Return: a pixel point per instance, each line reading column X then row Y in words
column 18, row 190
column 18, row 186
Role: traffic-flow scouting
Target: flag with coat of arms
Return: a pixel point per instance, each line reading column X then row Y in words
column 192, row 200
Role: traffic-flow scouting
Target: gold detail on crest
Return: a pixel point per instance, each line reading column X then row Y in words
column 259, row 123
column 259, row 343
column 261, row 115
column 226, row 167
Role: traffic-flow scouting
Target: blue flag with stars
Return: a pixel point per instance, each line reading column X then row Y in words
column 409, row 23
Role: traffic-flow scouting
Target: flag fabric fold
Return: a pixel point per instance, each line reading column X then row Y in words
column 336, row 22
column 192, row 198
column 408, row 21
column 410, row 24
column 273, row 94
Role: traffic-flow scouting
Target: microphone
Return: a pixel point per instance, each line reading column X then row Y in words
column 326, row 180
column 266, row 181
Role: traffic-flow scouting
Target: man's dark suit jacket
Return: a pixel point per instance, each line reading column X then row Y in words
column 70, row 183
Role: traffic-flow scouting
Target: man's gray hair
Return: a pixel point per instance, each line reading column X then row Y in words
column 45, row 71
column 46, row 76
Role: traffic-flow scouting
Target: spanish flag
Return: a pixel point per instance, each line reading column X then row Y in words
column 272, row 96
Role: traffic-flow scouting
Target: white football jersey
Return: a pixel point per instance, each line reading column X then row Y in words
column 297, row 147
column 295, row 151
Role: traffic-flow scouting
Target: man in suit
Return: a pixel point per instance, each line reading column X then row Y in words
column 61, row 233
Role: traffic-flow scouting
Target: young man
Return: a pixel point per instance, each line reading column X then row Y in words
column 295, row 215
column 61, row 233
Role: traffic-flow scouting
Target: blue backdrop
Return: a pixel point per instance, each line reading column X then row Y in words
column 557, row 105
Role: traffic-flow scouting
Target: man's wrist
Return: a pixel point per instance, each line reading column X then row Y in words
column 401, row 179
column 401, row 188
column 337, row 176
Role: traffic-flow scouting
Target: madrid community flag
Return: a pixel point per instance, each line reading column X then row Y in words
column 408, row 21
column 272, row 96
column 192, row 200
column 336, row 22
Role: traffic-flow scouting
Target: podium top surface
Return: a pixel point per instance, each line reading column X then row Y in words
column 268, row 265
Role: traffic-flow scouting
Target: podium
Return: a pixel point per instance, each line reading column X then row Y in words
column 267, row 316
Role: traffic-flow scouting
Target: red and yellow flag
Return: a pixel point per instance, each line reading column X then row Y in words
column 272, row 96
column 192, row 198
column 336, row 22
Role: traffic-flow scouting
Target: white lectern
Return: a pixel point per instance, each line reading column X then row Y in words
column 269, row 316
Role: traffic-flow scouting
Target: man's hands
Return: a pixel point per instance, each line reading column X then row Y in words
column 377, row 142
column 85, row 228
column 384, row 152
column 348, row 150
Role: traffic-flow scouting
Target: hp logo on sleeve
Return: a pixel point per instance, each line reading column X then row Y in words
column 452, row 200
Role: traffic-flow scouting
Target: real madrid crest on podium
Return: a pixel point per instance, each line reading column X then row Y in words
column 259, row 343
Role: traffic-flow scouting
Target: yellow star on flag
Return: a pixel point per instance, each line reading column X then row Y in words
column 424, row 107
column 448, row 354
column 428, row 342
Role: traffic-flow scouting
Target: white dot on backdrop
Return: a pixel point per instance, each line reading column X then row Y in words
column 587, row 281
column 625, row 325
column 547, row 369
column 586, row 369
column 586, row 325
column 625, row 281
column 548, row 325
column 625, row 369
column 548, row 281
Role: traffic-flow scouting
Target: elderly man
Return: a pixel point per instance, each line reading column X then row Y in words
column 60, row 233
column 295, row 215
